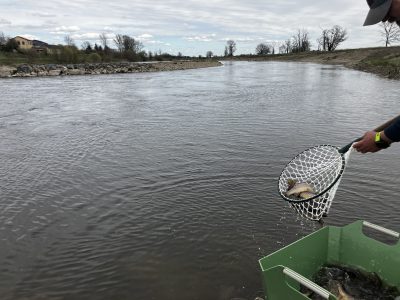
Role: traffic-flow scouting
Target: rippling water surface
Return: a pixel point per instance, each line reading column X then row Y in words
column 164, row 185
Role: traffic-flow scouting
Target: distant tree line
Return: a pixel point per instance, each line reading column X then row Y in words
column 329, row 40
column 127, row 48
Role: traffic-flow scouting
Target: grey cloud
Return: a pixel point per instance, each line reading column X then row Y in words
column 4, row 22
column 86, row 36
column 43, row 15
column 201, row 38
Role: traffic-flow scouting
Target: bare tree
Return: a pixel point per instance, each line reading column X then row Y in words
column 322, row 40
column 263, row 49
column 282, row 49
column 3, row 39
column 129, row 43
column 69, row 41
column 337, row 36
column 119, row 42
column 301, row 41
column 273, row 45
column 288, row 45
column 226, row 51
column 390, row 33
column 138, row 46
column 331, row 38
column 209, row 54
column 231, row 47
column 86, row 46
column 296, row 42
column 103, row 40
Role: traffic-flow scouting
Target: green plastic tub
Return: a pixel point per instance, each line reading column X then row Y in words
column 288, row 268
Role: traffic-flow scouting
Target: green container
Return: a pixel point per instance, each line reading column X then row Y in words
column 284, row 270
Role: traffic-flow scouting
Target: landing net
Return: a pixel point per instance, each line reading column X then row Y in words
column 320, row 167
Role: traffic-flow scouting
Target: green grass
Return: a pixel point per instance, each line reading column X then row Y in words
column 384, row 62
column 16, row 58
column 377, row 62
column 13, row 59
column 395, row 61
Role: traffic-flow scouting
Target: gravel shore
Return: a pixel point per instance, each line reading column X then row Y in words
column 27, row 70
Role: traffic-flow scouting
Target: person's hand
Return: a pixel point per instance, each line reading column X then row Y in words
column 367, row 143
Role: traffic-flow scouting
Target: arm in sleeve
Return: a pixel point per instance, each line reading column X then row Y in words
column 393, row 131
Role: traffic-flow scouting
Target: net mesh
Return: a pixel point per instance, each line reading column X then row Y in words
column 321, row 167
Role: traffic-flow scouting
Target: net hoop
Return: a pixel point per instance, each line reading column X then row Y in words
column 321, row 167
column 296, row 158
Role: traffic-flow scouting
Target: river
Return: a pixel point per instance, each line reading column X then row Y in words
column 164, row 185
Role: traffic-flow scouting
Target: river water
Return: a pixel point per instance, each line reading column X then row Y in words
column 164, row 185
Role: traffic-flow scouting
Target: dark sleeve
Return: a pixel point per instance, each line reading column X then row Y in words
column 393, row 131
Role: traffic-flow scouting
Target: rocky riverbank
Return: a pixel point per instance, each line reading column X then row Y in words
column 27, row 70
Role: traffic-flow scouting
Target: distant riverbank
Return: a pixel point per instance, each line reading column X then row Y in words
column 384, row 62
column 35, row 70
column 381, row 61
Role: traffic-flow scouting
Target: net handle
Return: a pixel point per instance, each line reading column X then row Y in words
column 380, row 128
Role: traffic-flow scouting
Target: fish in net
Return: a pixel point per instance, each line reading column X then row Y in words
column 320, row 168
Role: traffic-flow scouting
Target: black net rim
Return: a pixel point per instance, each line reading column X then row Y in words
column 343, row 161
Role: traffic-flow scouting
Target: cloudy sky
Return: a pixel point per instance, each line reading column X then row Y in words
column 191, row 27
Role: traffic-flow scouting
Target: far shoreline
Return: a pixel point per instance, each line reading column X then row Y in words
column 44, row 70
column 382, row 61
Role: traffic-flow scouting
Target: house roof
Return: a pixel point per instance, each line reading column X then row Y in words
column 37, row 43
column 21, row 37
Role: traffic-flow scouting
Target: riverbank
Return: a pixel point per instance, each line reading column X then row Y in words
column 384, row 62
column 35, row 70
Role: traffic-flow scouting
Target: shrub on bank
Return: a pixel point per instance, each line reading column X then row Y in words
column 68, row 54
column 10, row 46
column 93, row 58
